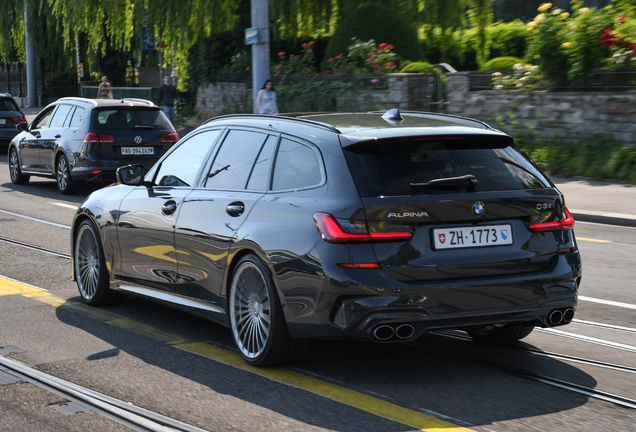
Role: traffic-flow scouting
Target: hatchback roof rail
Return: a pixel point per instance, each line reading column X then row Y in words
column 144, row 101
column 276, row 117
column 433, row 114
column 78, row 99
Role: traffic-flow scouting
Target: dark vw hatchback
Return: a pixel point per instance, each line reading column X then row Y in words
column 371, row 226
column 77, row 139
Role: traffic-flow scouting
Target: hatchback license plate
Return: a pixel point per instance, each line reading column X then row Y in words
column 465, row 237
column 137, row 151
column 3, row 121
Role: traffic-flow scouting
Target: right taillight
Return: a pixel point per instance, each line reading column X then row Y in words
column 332, row 232
column 562, row 225
column 170, row 138
column 93, row 137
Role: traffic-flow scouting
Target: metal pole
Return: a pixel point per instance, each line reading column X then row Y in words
column 30, row 60
column 8, row 66
column 260, row 51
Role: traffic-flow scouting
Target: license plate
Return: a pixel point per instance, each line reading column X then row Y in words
column 465, row 237
column 137, row 151
column 3, row 121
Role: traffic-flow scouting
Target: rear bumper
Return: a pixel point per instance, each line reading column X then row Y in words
column 453, row 304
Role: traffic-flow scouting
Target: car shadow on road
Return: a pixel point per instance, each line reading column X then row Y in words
column 412, row 376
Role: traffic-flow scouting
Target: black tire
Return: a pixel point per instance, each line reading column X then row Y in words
column 90, row 268
column 497, row 335
column 257, row 322
column 14, row 168
column 65, row 183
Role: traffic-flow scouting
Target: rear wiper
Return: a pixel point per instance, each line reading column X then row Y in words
column 463, row 182
column 145, row 127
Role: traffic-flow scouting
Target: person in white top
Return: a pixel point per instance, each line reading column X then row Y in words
column 266, row 99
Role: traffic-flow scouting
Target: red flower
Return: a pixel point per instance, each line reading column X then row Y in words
column 310, row 43
column 296, row 58
column 378, row 50
column 304, row 45
column 389, row 64
column 376, row 67
column 282, row 53
column 382, row 45
column 390, row 46
column 330, row 60
column 277, row 67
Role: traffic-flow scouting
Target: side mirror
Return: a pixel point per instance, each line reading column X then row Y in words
column 22, row 126
column 132, row 175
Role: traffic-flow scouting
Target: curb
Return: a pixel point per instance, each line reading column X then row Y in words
column 604, row 218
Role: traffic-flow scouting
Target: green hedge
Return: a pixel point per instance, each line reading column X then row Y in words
column 380, row 23
column 417, row 67
column 501, row 63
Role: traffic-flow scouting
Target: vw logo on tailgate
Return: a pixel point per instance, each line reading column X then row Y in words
column 138, row 139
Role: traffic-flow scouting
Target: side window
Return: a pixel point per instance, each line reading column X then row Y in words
column 43, row 119
column 235, row 159
column 60, row 116
column 296, row 166
column 78, row 116
column 259, row 179
column 181, row 166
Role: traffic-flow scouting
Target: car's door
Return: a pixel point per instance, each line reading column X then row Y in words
column 50, row 136
column 29, row 146
column 211, row 215
column 146, row 226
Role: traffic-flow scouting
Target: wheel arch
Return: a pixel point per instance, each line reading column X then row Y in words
column 81, row 217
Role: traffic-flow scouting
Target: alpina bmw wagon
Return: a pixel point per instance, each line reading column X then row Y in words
column 369, row 226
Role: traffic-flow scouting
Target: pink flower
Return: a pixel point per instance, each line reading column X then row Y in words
column 330, row 60
column 296, row 58
column 311, row 66
column 370, row 54
column 389, row 64
column 375, row 81
column 496, row 74
column 389, row 46
column 325, row 73
column 376, row 67
column 382, row 45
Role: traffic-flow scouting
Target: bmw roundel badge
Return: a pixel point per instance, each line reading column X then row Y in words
column 479, row 208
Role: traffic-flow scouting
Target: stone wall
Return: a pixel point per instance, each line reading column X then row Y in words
column 223, row 96
column 575, row 116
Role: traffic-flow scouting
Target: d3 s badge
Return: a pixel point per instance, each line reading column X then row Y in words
column 442, row 238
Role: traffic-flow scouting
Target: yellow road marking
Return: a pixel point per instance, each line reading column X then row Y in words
column 594, row 240
column 284, row 376
column 334, row 392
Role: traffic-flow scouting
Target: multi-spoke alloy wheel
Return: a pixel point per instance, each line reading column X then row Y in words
column 65, row 183
column 90, row 268
column 256, row 317
column 14, row 168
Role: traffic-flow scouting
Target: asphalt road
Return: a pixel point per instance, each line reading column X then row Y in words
column 186, row 368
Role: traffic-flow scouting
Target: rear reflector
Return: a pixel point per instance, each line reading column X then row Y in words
column 18, row 120
column 568, row 250
column 332, row 232
column 94, row 172
column 563, row 225
column 369, row 265
column 173, row 138
column 93, row 137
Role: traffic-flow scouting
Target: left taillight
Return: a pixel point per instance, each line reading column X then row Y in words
column 170, row 138
column 332, row 232
column 17, row 120
column 562, row 225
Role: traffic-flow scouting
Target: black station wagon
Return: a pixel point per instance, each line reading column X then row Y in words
column 370, row 226
column 76, row 139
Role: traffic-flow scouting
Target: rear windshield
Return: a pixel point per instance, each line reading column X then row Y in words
column 397, row 169
column 129, row 119
column 8, row 105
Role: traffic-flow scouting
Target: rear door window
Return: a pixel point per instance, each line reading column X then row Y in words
column 60, row 116
column 78, row 116
column 297, row 166
column 406, row 168
column 125, row 118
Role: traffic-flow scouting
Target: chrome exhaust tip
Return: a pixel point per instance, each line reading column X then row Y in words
column 383, row 332
column 404, row 331
column 555, row 317
column 568, row 315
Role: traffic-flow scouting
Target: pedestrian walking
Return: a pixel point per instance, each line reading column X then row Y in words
column 266, row 99
column 104, row 91
column 166, row 96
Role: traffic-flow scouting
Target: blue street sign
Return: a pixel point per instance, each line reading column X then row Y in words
column 148, row 39
column 251, row 36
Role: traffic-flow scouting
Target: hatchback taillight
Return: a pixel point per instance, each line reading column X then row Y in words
column 562, row 225
column 17, row 120
column 93, row 137
column 332, row 232
column 173, row 138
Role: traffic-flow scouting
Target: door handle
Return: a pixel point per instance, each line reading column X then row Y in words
column 235, row 209
column 169, row 207
column 57, row 136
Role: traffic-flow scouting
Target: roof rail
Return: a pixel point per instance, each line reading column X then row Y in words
column 432, row 114
column 322, row 125
column 78, row 99
column 144, row 101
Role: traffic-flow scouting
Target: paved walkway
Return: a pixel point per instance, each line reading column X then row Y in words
column 588, row 200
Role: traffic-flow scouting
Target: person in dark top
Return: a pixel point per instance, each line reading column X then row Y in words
column 166, row 96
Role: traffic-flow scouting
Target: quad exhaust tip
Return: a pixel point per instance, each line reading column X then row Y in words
column 383, row 332
column 404, row 331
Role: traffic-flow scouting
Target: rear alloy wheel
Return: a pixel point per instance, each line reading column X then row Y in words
column 90, row 268
column 65, row 183
column 14, row 168
column 256, row 317
column 496, row 335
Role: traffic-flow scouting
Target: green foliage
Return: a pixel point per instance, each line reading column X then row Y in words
column 61, row 84
column 381, row 24
column 501, row 63
column 416, row 67
column 508, row 39
column 483, row 18
column 545, row 44
column 311, row 94
column 585, row 27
